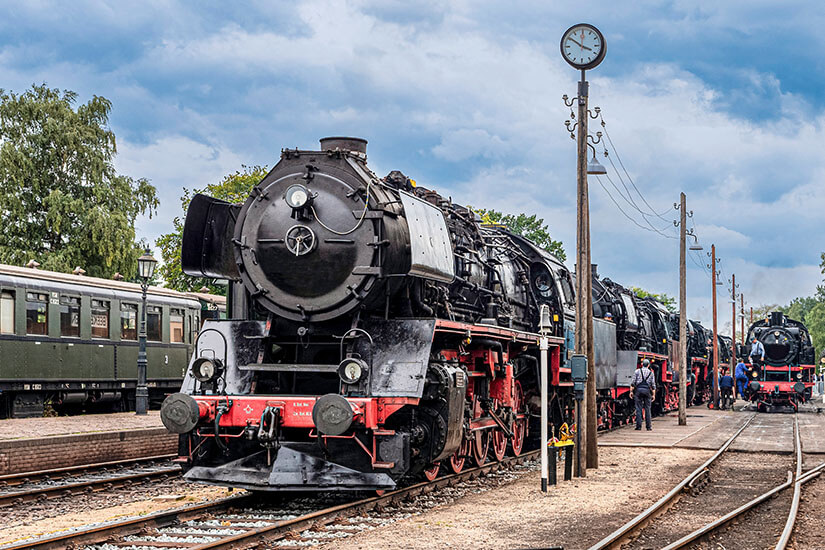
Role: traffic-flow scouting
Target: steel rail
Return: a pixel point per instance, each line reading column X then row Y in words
column 74, row 538
column 797, row 493
column 713, row 526
column 19, row 478
column 79, row 487
column 642, row 519
column 276, row 530
column 724, row 520
column 327, row 515
column 710, row 527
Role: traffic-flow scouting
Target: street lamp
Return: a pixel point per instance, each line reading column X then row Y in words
column 146, row 268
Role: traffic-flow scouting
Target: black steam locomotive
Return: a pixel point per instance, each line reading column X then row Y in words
column 380, row 331
column 785, row 377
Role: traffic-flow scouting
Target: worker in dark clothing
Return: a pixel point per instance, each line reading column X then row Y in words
column 726, row 389
column 741, row 374
column 643, row 391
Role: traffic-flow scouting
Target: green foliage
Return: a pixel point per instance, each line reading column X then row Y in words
column 61, row 201
column 763, row 311
column 815, row 321
column 668, row 301
column 233, row 188
column 530, row 227
column 799, row 308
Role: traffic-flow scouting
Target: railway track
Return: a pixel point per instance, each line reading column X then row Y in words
column 632, row 529
column 241, row 521
column 61, row 482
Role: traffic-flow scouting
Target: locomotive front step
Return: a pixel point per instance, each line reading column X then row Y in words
column 293, row 469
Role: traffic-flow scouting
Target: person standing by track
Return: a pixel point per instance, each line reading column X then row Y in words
column 741, row 375
column 643, row 390
column 726, row 389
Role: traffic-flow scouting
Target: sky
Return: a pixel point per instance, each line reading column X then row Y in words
column 721, row 100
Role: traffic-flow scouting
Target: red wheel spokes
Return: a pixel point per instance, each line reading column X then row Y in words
column 520, row 425
column 499, row 443
column 481, row 446
column 458, row 459
column 432, row 472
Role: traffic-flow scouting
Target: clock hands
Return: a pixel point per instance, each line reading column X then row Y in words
column 579, row 44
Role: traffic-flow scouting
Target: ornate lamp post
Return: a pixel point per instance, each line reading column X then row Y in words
column 146, row 268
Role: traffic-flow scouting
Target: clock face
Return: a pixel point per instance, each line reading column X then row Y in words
column 583, row 46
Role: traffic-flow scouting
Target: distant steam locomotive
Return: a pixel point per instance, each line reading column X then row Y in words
column 380, row 331
column 786, row 376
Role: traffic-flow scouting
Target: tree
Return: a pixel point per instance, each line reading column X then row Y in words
column 62, row 202
column 799, row 307
column 530, row 227
column 815, row 321
column 761, row 312
column 668, row 301
column 233, row 188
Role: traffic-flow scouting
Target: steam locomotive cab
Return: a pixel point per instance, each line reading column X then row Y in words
column 380, row 331
column 785, row 378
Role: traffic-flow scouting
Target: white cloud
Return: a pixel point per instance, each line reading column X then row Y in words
column 171, row 163
column 474, row 89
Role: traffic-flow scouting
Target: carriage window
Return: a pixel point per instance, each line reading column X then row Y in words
column 128, row 321
column 7, row 312
column 37, row 313
column 153, row 315
column 69, row 316
column 176, row 325
column 100, row 319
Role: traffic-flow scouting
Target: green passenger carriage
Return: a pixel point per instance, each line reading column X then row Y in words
column 71, row 342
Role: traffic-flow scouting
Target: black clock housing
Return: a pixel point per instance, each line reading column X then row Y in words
column 598, row 59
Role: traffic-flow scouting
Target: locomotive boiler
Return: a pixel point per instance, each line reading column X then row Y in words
column 785, row 377
column 637, row 329
column 379, row 331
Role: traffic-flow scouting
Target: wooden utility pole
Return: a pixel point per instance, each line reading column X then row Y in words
column 733, row 322
column 584, row 295
column 682, row 315
column 715, row 335
column 590, row 53
column 751, row 317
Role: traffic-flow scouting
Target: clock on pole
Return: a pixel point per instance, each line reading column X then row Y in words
column 583, row 46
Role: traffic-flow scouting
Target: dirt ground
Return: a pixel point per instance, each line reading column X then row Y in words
column 629, row 480
column 66, row 514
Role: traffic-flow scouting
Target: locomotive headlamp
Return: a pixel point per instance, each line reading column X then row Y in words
column 799, row 376
column 351, row 370
column 297, row 196
column 754, row 374
column 206, row 370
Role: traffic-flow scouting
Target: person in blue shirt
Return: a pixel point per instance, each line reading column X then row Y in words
column 726, row 389
column 741, row 374
column 757, row 352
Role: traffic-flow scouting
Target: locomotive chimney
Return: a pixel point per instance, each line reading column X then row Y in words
column 354, row 144
column 777, row 319
column 594, row 270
